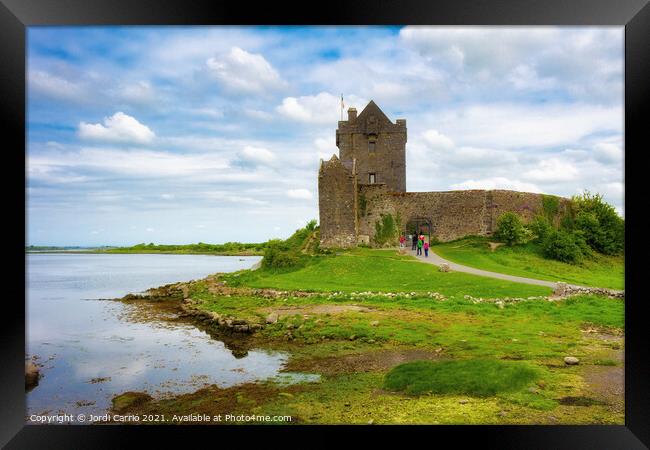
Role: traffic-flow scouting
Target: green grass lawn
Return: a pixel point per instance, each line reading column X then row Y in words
column 479, row 377
column 382, row 270
column 527, row 261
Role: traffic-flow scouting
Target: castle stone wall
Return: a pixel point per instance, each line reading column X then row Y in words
column 452, row 214
column 337, row 204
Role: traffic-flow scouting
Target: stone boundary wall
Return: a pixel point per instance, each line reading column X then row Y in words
column 453, row 214
column 565, row 290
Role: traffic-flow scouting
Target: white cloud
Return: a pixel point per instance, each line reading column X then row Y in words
column 257, row 155
column 240, row 71
column 497, row 183
column 524, row 125
column 323, row 108
column 141, row 92
column 139, row 163
column 437, row 140
column 302, row 194
column 119, row 127
column 608, row 152
column 55, row 86
column 325, row 148
column 232, row 198
column 552, row 170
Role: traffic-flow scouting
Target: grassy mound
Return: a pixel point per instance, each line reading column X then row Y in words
column 527, row 260
column 478, row 377
column 380, row 270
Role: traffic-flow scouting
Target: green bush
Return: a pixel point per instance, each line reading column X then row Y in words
column 564, row 246
column 276, row 257
column 551, row 206
column 279, row 254
column 540, row 227
column 510, row 229
column 602, row 227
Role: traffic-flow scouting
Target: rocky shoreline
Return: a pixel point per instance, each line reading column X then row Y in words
column 237, row 327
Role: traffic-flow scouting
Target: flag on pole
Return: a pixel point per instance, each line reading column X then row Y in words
column 342, row 106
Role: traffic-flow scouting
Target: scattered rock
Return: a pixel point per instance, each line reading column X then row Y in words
column 32, row 375
column 353, row 337
column 463, row 401
column 374, row 323
column 495, row 245
column 272, row 318
column 444, row 267
column 129, row 399
column 99, row 380
column 371, row 421
column 571, row 360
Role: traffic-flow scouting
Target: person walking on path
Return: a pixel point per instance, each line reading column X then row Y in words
column 402, row 239
column 420, row 244
column 426, row 249
column 414, row 240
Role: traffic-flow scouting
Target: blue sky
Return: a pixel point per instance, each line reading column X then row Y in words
column 214, row 134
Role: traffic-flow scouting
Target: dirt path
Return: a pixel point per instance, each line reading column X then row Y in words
column 437, row 260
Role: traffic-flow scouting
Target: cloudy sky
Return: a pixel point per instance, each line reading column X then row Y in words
column 214, row 134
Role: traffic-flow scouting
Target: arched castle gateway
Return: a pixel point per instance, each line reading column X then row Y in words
column 368, row 181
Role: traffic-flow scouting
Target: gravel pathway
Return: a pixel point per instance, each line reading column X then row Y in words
column 437, row 260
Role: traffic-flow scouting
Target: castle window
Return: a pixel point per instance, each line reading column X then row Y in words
column 371, row 146
column 372, row 178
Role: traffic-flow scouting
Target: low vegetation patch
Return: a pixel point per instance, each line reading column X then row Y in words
column 229, row 248
column 478, row 377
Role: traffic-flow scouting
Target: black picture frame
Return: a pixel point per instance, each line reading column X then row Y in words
column 17, row 15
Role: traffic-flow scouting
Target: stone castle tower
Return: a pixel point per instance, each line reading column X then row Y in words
column 376, row 144
column 368, row 182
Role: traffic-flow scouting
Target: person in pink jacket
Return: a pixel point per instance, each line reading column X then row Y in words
column 426, row 249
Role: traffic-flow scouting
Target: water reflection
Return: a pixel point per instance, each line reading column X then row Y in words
column 90, row 352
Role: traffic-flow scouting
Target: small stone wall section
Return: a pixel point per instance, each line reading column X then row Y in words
column 565, row 290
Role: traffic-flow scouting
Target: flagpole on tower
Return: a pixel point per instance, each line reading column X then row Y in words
column 342, row 107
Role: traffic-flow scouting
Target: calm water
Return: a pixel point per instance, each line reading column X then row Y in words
column 92, row 349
